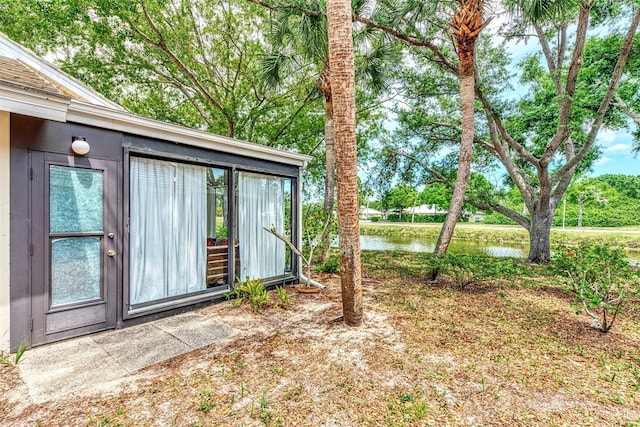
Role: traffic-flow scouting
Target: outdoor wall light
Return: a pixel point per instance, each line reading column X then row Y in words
column 79, row 145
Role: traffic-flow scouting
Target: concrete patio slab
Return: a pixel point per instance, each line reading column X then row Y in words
column 193, row 330
column 52, row 371
column 55, row 370
column 140, row 346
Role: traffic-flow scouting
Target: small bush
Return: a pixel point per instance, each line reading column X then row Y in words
column 251, row 290
column 207, row 401
column 284, row 296
column 466, row 270
column 600, row 278
column 331, row 266
column 375, row 219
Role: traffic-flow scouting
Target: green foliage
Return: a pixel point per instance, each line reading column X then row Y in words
column 628, row 185
column 399, row 197
column 251, row 290
column 7, row 359
column 416, row 218
column 207, row 401
column 285, row 300
column 194, row 64
column 498, row 219
column 467, row 270
column 601, row 280
column 436, row 194
column 607, row 201
column 222, row 231
column 331, row 266
column 314, row 223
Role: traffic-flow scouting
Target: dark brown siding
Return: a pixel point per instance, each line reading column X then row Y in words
column 55, row 137
column 28, row 133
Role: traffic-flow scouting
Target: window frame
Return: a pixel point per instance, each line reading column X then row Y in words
column 204, row 158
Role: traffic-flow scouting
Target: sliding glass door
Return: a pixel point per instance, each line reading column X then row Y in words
column 263, row 203
column 181, row 239
column 168, row 229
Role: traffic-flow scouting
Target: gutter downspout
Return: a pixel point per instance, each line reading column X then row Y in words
column 311, row 282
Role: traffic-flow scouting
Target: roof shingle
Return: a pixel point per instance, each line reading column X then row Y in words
column 15, row 73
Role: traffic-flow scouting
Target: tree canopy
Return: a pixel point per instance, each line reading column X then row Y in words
column 199, row 63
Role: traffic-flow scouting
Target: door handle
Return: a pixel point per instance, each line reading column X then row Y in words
column 111, row 253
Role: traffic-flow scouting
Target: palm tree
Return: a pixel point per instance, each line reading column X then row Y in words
column 466, row 26
column 341, row 61
column 300, row 48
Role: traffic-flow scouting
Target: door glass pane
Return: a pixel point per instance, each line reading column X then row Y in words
column 168, row 229
column 217, row 227
column 75, row 199
column 262, row 201
column 75, row 269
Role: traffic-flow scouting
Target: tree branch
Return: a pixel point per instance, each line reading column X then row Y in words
column 566, row 99
column 625, row 50
column 493, row 116
column 548, row 56
column 480, row 204
column 413, row 41
column 161, row 44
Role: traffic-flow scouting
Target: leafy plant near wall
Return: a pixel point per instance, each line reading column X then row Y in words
column 600, row 278
column 251, row 290
column 285, row 300
column 8, row 360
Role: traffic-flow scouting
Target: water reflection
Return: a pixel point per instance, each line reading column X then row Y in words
column 471, row 247
column 418, row 244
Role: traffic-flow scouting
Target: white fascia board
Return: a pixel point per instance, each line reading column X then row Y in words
column 123, row 121
column 35, row 104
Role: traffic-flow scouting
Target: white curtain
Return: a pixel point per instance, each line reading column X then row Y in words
column 260, row 205
column 168, row 229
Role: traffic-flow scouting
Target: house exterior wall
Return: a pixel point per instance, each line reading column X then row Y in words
column 4, row 231
column 25, row 144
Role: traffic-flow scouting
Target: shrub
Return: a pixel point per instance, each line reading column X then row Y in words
column 251, row 290
column 331, row 266
column 7, row 360
column 466, row 270
column 600, row 278
column 416, row 218
column 284, row 296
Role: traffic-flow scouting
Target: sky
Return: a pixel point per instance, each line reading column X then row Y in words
column 616, row 156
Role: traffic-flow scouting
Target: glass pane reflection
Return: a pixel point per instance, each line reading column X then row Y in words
column 75, row 200
column 75, row 269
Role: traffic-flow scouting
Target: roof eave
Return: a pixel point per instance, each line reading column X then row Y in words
column 34, row 103
column 81, row 112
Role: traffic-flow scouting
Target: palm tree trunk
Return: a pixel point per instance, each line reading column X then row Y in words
column 466, row 26
column 342, row 68
column 467, row 96
column 330, row 171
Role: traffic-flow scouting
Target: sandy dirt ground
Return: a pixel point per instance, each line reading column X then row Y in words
column 499, row 354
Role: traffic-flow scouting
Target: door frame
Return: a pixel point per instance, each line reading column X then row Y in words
column 88, row 315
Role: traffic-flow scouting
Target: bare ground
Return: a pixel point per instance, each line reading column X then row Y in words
column 500, row 354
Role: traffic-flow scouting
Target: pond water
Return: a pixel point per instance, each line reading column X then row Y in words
column 471, row 247
column 422, row 244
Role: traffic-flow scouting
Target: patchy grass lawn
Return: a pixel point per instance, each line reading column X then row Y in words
column 504, row 352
